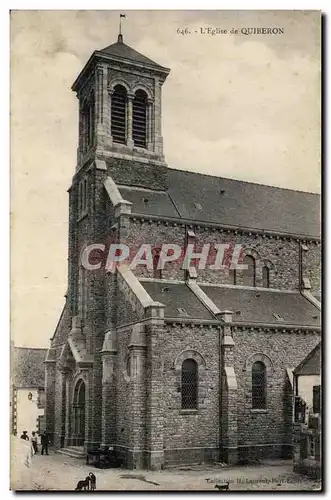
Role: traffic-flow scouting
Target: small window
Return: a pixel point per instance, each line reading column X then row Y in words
column 249, row 273
column 157, row 273
column 259, row 400
column 182, row 311
column 265, row 277
column 189, row 384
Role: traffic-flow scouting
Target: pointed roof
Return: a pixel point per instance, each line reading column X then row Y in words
column 123, row 51
column 311, row 365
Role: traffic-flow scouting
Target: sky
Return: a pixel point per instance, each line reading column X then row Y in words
column 239, row 106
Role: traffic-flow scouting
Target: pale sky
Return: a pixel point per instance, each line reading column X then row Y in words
column 244, row 107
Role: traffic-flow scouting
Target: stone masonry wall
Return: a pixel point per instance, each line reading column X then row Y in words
column 284, row 350
column 311, row 266
column 123, row 420
column 281, row 255
column 190, row 436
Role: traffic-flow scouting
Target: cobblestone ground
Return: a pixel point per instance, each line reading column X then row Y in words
column 58, row 472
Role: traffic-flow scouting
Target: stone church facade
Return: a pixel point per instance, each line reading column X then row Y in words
column 175, row 366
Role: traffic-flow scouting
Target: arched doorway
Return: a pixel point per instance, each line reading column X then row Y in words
column 79, row 413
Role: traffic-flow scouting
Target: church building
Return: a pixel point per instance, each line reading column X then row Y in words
column 175, row 366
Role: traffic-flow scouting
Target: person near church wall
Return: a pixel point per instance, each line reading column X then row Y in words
column 44, row 443
column 34, row 441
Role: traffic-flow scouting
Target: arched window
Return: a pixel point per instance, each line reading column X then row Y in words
column 265, row 277
column 139, row 119
column 189, row 384
column 157, row 273
column 259, row 385
column 249, row 273
column 118, row 114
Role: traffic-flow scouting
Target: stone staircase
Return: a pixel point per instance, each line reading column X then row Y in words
column 72, row 451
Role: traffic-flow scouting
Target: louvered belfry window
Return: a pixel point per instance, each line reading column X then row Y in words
column 118, row 114
column 259, row 400
column 139, row 121
column 189, row 384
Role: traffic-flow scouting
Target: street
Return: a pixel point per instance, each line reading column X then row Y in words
column 59, row 472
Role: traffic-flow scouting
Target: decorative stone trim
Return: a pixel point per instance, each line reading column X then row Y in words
column 136, row 294
column 259, row 356
column 310, row 297
column 230, row 378
column 121, row 206
column 109, row 343
column 189, row 353
column 189, row 323
column 138, row 336
column 203, row 297
column 267, row 327
column 209, row 226
column 118, row 81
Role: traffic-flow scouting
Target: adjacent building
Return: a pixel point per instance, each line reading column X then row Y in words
column 307, row 425
column 174, row 366
column 27, row 390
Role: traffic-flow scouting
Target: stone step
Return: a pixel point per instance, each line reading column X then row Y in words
column 72, row 451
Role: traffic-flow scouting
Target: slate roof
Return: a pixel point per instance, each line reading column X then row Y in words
column 244, row 204
column 225, row 201
column 150, row 202
column 27, row 367
column 63, row 327
column 123, row 51
column 177, row 296
column 257, row 306
column 311, row 365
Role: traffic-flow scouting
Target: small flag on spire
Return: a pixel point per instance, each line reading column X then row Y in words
column 122, row 15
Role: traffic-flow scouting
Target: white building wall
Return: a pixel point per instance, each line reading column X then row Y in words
column 27, row 412
column 305, row 387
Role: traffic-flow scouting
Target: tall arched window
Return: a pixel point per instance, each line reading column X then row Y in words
column 249, row 273
column 265, row 277
column 139, row 119
column 189, row 384
column 118, row 114
column 157, row 273
column 259, row 386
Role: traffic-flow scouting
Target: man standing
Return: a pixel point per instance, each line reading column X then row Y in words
column 44, row 443
column 34, row 442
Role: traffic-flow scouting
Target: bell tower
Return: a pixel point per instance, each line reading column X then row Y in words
column 119, row 92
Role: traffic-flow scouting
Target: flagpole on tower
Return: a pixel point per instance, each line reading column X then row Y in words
column 120, row 36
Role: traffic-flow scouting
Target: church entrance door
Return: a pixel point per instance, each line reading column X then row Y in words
column 79, row 413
